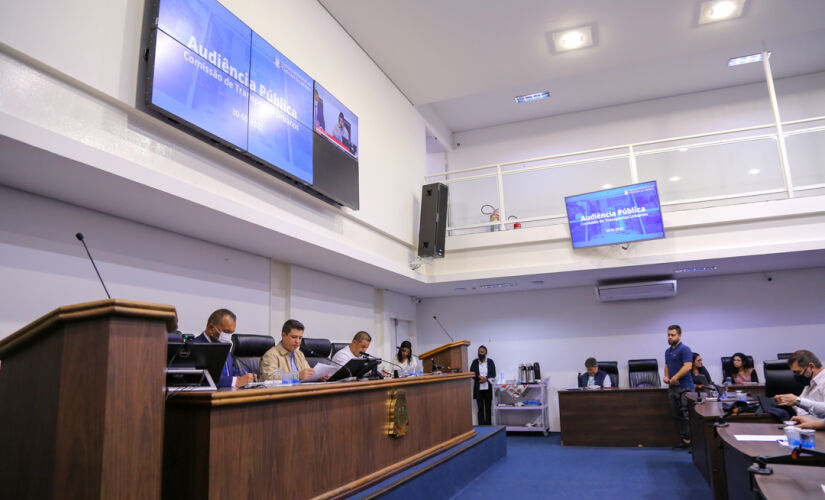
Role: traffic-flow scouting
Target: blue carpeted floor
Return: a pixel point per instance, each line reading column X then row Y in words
column 539, row 467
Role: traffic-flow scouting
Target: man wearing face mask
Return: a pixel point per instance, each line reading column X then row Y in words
column 807, row 369
column 219, row 328
column 485, row 370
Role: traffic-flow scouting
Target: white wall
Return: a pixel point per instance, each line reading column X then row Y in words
column 43, row 267
column 339, row 308
column 561, row 328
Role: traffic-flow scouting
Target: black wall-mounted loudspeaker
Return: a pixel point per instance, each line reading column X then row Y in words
column 432, row 230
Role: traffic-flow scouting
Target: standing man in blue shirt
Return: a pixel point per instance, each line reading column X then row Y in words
column 678, row 363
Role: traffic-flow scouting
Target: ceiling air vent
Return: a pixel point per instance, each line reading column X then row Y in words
column 642, row 290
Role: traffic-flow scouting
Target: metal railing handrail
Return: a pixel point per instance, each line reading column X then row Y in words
column 635, row 145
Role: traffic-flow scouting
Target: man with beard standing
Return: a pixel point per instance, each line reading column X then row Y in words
column 678, row 362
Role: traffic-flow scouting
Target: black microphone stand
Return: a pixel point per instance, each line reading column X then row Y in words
column 79, row 236
column 799, row 456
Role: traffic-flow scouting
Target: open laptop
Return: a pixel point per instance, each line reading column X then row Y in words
column 185, row 363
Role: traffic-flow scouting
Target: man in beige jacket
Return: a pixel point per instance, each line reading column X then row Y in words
column 286, row 355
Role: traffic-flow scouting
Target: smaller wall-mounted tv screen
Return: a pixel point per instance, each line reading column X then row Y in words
column 335, row 121
column 615, row 215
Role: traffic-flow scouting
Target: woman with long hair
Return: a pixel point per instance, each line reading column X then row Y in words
column 741, row 369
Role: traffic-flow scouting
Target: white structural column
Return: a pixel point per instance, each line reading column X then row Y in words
column 634, row 171
column 780, row 136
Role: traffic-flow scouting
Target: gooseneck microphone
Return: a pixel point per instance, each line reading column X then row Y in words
column 79, row 237
column 445, row 330
column 368, row 356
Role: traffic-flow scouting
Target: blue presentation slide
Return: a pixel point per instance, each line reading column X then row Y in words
column 279, row 81
column 617, row 215
column 335, row 122
column 187, row 86
column 277, row 138
column 207, row 28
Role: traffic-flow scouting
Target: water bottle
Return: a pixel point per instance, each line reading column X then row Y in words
column 295, row 380
column 278, row 377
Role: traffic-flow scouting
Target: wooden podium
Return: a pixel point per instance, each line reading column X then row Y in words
column 453, row 355
column 82, row 402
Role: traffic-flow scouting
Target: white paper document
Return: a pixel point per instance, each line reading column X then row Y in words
column 755, row 437
column 321, row 370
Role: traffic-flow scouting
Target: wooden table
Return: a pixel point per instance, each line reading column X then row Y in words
column 307, row 441
column 739, row 455
column 792, row 481
column 707, row 448
column 617, row 417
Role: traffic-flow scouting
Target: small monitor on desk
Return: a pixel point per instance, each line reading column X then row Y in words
column 191, row 356
column 356, row 367
column 700, row 380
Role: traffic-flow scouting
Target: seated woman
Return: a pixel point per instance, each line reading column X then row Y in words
column 405, row 359
column 741, row 370
column 699, row 368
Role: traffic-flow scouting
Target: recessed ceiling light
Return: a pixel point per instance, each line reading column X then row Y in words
column 532, row 97
column 720, row 10
column 572, row 39
column 607, row 186
column 682, row 150
column 738, row 61
column 460, row 289
column 537, row 282
column 675, row 178
column 696, row 269
column 753, row 171
column 496, row 286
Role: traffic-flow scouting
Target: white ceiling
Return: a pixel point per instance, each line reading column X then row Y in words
column 465, row 60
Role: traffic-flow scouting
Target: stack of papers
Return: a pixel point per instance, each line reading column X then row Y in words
column 757, row 437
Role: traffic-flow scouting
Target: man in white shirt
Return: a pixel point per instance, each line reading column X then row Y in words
column 807, row 368
column 358, row 347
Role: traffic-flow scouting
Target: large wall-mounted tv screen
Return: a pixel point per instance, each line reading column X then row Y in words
column 201, row 68
column 210, row 73
column 280, row 111
column 615, row 215
column 335, row 121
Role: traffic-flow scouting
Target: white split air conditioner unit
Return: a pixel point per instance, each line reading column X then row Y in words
column 642, row 290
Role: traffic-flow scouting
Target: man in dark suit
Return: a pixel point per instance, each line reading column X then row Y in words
column 485, row 371
column 219, row 328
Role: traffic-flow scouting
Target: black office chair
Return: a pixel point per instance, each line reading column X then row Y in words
column 727, row 366
column 248, row 349
column 612, row 370
column 779, row 378
column 644, row 373
column 784, row 355
column 174, row 337
column 316, row 350
column 337, row 346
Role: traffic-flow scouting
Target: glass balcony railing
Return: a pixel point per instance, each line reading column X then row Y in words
column 717, row 168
